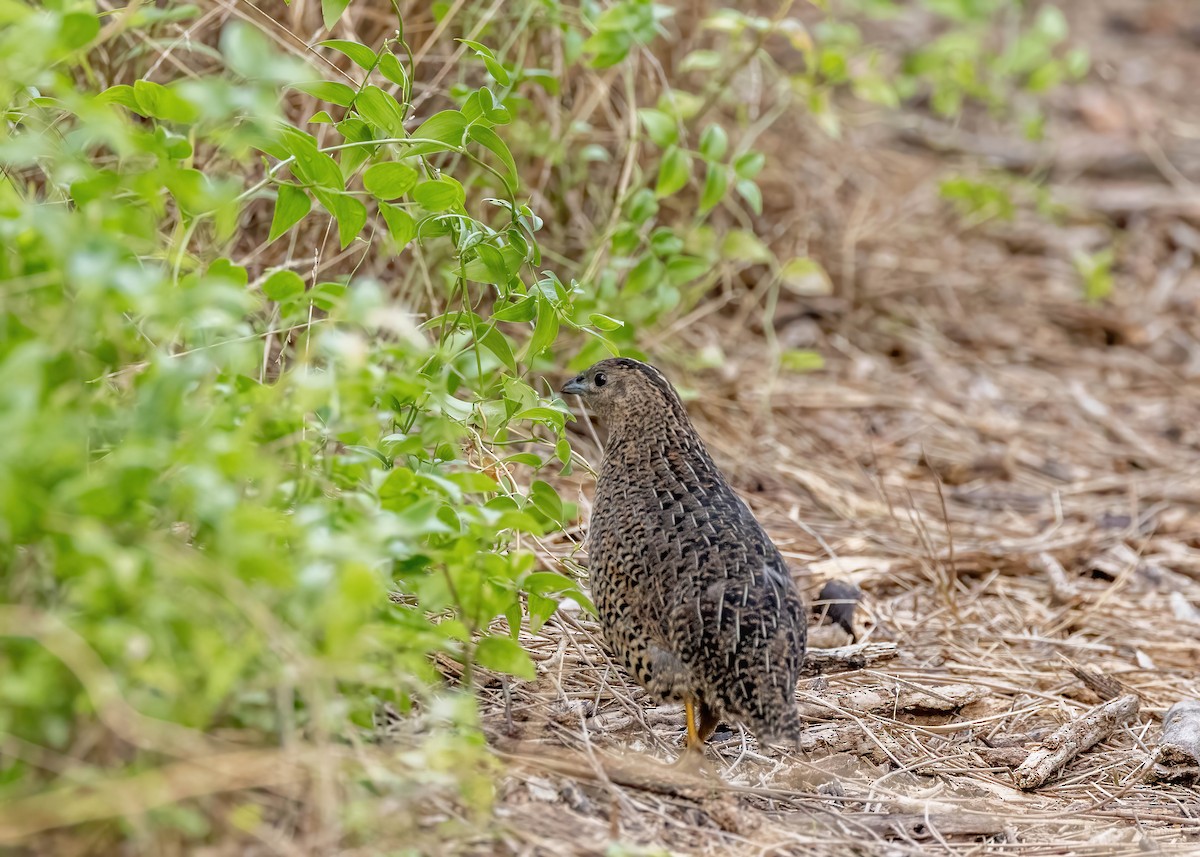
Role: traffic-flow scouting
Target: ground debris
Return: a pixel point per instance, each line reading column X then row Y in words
column 845, row 658
column 930, row 825
column 1178, row 756
column 950, row 697
column 1073, row 738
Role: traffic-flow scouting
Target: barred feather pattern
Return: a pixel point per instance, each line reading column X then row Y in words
column 694, row 598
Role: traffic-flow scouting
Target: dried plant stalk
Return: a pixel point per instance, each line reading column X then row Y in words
column 846, row 658
column 1178, row 756
column 1074, row 738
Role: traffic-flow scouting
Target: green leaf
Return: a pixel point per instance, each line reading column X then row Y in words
column 741, row 245
column 702, row 60
column 673, row 172
column 545, row 331
column 291, row 204
column 120, row 94
column 355, row 130
column 491, row 141
column 361, row 55
column 540, row 413
column 660, row 128
column 665, row 242
column 714, row 143
column 311, row 165
column 327, row 296
column 549, row 583
column 164, row 103
column 381, row 110
column 642, row 206
column 505, row 655
column 604, row 322
column 493, row 260
column 801, row 360
column 523, row 310
column 495, row 69
column 473, row 482
column 401, row 224
column 497, row 343
column 684, row 269
column 480, row 48
column 498, row 72
column 749, row 165
column 716, row 182
column 546, row 499
column 528, row 459
column 441, row 194
column 248, row 53
column 1095, row 273
column 445, row 129
column 749, row 191
column 1051, row 24
column 541, row 608
column 283, row 285
column 806, row 277
column 390, row 68
column 351, row 214
column 331, row 11
column 645, row 276
column 77, row 29
column 389, row 180
column 1077, row 63
column 328, row 90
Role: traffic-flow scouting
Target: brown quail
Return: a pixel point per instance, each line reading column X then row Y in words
column 694, row 599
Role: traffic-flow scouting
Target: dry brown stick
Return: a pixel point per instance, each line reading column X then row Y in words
column 1104, row 686
column 948, row 697
column 922, row 826
column 1178, row 756
column 846, row 658
column 1074, row 738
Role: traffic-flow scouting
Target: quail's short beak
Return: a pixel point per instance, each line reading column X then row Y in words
column 574, row 387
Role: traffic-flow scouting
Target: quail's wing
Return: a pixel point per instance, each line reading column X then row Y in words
column 742, row 633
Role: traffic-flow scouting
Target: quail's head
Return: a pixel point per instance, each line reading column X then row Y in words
column 618, row 388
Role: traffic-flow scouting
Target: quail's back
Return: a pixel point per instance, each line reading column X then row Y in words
column 694, row 598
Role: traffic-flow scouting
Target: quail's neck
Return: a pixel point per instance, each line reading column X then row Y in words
column 640, row 440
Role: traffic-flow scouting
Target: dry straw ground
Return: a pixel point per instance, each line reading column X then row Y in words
column 1011, row 475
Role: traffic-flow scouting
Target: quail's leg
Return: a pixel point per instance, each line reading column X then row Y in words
column 691, row 760
column 695, row 741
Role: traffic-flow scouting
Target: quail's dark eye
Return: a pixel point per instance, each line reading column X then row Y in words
column 600, row 380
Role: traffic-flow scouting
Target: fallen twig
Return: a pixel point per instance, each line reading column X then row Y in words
column 1178, row 756
column 949, row 697
column 846, row 658
column 1074, row 738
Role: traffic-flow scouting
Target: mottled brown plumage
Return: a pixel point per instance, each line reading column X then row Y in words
column 694, row 598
